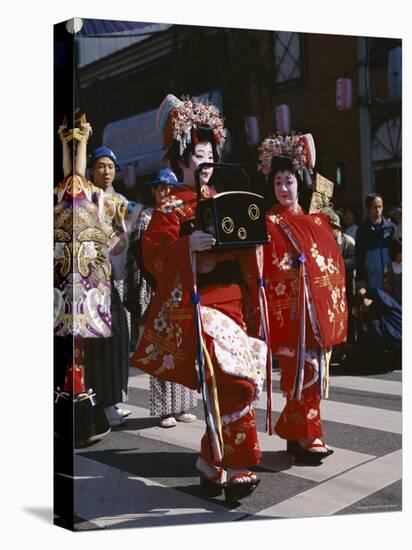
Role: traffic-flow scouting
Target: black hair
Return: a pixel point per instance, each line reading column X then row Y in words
column 370, row 198
column 200, row 134
column 280, row 163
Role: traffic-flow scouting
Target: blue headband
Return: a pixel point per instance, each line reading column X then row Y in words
column 164, row 176
column 103, row 152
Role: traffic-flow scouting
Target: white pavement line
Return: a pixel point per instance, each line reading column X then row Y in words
column 349, row 413
column 340, row 492
column 361, row 383
column 141, row 382
column 274, row 456
column 335, row 411
column 110, row 497
column 373, row 385
column 356, row 383
column 339, row 462
column 360, row 416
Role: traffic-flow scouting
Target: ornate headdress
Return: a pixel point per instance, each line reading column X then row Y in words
column 299, row 147
column 177, row 118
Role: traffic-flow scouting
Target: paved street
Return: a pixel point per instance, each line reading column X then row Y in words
column 143, row 475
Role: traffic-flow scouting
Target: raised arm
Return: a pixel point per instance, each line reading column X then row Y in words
column 65, row 137
column 82, row 135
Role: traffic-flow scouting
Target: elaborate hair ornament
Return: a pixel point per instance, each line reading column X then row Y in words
column 176, row 118
column 299, row 147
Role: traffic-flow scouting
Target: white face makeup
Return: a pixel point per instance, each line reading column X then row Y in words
column 203, row 152
column 103, row 172
column 286, row 188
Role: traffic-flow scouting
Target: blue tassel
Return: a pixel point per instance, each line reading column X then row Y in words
column 299, row 260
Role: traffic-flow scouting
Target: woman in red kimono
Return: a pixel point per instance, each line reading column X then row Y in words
column 305, row 283
column 188, row 272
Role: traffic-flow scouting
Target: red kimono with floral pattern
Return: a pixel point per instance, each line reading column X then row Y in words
column 304, row 275
column 169, row 343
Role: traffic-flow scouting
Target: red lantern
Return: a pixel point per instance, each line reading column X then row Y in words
column 343, row 94
column 252, row 130
column 282, row 114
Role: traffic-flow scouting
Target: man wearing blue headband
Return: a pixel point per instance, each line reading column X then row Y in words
column 103, row 166
column 108, row 358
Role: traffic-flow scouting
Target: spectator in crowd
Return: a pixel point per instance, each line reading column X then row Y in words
column 347, row 248
column 340, row 211
column 349, row 222
column 397, row 215
column 390, row 214
column 393, row 274
column 372, row 245
column 107, row 360
column 380, row 330
column 398, row 221
column 168, row 400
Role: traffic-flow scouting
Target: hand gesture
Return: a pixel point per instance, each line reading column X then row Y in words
column 86, row 129
column 83, row 131
column 62, row 131
column 199, row 241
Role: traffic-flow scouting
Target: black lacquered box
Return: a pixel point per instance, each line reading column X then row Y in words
column 235, row 218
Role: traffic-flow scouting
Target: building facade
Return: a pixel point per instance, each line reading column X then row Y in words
column 254, row 76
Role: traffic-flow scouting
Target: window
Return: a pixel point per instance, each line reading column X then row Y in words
column 288, row 57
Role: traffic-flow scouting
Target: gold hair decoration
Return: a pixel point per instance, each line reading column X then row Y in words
column 176, row 118
column 299, row 147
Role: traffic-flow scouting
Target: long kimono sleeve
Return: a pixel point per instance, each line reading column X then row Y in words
column 168, row 346
column 158, row 240
column 249, row 267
